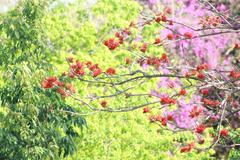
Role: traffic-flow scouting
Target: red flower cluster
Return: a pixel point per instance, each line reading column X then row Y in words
column 154, row 61
column 144, row 47
column 76, row 69
column 201, row 67
column 236, row 46
column 161, row 17
column 204, row 92
column 235, row 74
column 170, row 36
column 167, row 100
column 212, row 103
column 187, row 148
column 201, row 76
column 120, row 37
column 146, row 110
column 111, row 43
column 182, row 92
column 158, row 118
column 188, row 35
column 200, row 129
column 96, row 70
column 111, row 71
column 157, row 41
column 196, row 111
column 50, row 82
column 224, row 132
column 104, row 104
column 62, row 89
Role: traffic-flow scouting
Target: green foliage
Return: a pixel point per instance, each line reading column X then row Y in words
column 34, row 124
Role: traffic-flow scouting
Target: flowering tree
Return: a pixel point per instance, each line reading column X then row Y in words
column 188, row 89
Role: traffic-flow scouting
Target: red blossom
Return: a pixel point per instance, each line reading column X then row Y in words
column 212, row 103
column 170, row 36
column 182, row 92
column 111, row 43
column 224, row 132
column 104, row 104
column 201, row 76
column 205, row 92
column 146, row 110
column 187, row 148
column 49, row 82
column 236, row 46
column 200, row 129
column 97, row 72
column 111, row 71
column 168, row 10
column 157, row 41
column 144, row 47
column 196, row 111
column 167, row 100
column 188, row 35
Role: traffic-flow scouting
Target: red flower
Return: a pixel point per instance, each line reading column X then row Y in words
column 170, row 36
column 201, row 76
column 157, row 41
column 104, row 103
column 234, row 74
column 168, row 10
column 202, row 67
column 80, row 72
column 50, row 82
column 111, row 43
column 236, row 46
column 111, row 71
column 47, row 85
column 167, row 100
column 200, row 129
column 196, row 111
column 164, row 18
column 188, row 35
column 170, row 23
column 117, row 34
column 146, row 110
column 187, row 148
column 164, row 58
column 97, row 72
column 170, row 117
column 204, row 92
column 212, row 103
column 164, row 121
column 144, row 47
column 182, row 92
column 93, row 67
column 224, row 132
column 158, row 19
column 71, row 75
